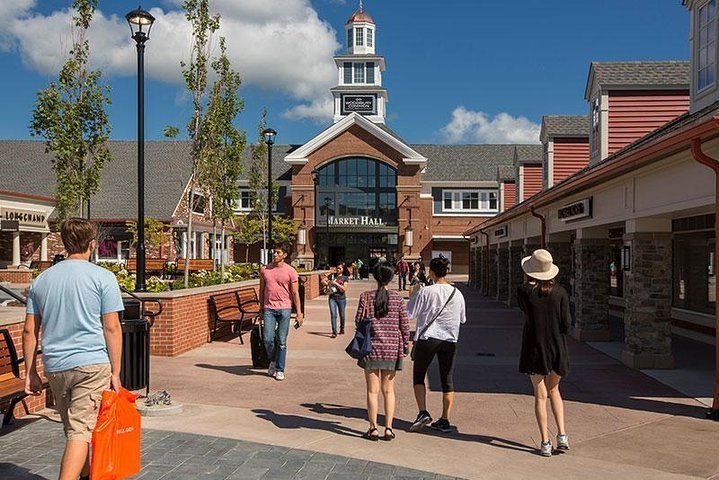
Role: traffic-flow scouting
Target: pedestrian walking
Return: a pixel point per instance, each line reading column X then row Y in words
column 439, row 310
column 358, row 272
column 389, row 332
column 279, row 289
column 336, row 284
column 76, row 303
column 402, row 272
column 544, row 344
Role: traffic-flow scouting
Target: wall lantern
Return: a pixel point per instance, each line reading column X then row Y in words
column 626, row 258
column 302, row 235
column 409, row 237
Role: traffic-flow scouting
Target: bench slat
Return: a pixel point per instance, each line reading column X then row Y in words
column 12, row 387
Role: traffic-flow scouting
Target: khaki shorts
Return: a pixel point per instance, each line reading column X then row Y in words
column 78, row 393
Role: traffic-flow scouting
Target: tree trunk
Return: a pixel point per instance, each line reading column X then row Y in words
column 189, row 235
column 247, row 252
column 222, row 251
column 213, row 242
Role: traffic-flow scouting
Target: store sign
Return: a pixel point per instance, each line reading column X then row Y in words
column 25, row 218
column 576, row 210
column 363, row 104
column 356, row 221
column 501, row 232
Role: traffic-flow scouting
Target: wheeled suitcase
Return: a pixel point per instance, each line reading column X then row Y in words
column 257, row 346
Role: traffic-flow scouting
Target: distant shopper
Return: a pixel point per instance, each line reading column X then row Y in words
column 390, row 336
column 358, row 272
column 336, row 284
column 279, row 288
column 402, row 272
column 76, row 303
column 439, row 310
column 544, row 345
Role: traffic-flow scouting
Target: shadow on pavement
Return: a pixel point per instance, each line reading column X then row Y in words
column 321, row 334
column 361, row 414
column 10, row 471
column 240, row 370
column 285, row 421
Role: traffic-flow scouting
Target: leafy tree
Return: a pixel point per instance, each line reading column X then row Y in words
column 70, row 115
column 171, row 131
column 284, row 229
column 154, row 231
column 248, row 232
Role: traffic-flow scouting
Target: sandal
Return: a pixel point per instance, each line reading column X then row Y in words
column 371, row 434
column 389, row 434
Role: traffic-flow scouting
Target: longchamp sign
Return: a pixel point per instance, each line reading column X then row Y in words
column 25, row 218
column 576, row 210
column 363, row 104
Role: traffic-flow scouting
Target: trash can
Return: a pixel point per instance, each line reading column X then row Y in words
column 135, row 346
column 301, row 291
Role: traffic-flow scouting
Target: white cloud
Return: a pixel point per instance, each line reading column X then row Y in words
column 478, row 127
column 281, row 45
column 319, row 111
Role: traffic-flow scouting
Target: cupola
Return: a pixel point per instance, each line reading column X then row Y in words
column 360, row 30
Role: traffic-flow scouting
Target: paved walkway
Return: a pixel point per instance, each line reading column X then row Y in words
column 622, row 423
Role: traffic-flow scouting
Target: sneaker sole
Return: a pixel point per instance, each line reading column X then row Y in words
column 443, row 430
column 416, row 427
column 560, row 447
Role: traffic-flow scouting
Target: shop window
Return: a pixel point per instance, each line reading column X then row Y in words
column 616, row 274
column 693, row 273
column 107, row 250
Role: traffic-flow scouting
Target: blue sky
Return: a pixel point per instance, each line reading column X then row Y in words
column 458, row 71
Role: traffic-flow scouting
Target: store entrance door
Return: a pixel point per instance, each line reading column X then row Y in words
column 337, row 255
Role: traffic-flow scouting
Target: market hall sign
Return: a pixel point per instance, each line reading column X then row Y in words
column 576, row 210
column 357, row 221
column 363, row 104
column 25, row 218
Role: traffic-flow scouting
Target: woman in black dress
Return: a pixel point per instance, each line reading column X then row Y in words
column 544, row 346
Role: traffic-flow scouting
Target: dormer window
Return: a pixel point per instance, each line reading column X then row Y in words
column 370, row 39
column 359, row 37
column 595, row 115
column 706, row 45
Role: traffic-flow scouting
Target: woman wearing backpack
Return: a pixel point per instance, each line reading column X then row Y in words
column 389, row 332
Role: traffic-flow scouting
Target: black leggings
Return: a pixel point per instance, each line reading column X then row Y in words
column 424, row 353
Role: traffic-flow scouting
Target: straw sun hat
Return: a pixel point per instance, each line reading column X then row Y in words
column 539, row 265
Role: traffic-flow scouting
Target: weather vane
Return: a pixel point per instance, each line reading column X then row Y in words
column 361, row 6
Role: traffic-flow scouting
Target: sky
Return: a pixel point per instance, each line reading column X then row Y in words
column 458, row 71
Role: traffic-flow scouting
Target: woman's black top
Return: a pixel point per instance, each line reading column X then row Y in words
column 544, row 343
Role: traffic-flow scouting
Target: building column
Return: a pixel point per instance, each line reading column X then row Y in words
column 15, row 249
column 503, row 272
column 516, row 274
column 492, row 273
column 43, row 247
column 561, row 249
column 591, row 284
column 647, row 293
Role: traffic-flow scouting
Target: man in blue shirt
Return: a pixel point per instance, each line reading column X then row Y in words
column 77, row 305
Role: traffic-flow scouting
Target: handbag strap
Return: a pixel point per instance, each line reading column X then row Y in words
column 365, row 310
column 429, row 324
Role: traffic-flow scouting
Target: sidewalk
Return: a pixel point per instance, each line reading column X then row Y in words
column 622, row 423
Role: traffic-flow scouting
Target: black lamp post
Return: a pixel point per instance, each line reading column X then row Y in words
column 269, row 135
column 328, row 200
column 315, row 222
column 139, row 20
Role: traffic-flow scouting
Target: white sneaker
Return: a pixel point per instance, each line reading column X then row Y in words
column 280, row 376
column 271, row 371
column 545, row 449
column 563, row 442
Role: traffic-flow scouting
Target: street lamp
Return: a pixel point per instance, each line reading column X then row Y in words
column 315, row 222
column 139, row 20
column 269, row 135
column 328, row 200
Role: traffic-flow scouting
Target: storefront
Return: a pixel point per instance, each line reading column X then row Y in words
column 24, row 228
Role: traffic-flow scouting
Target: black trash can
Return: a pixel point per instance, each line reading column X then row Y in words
column 135, row 347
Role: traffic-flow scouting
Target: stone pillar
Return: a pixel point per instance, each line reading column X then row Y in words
column 492, row 273
column 561, row 251
column 15, row 249
column 43, row 248
column 503, row 272
column 516, row 274
column 481, row 274
column 591, row 283
column 647, row 293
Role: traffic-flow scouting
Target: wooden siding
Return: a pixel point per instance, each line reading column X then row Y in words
column 510, row 195
column 633, row 114
column 570, row 156
column 532, row 179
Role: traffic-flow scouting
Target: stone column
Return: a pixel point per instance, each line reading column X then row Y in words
column 561, row 250
column 15, row 249
column 591, row 283
column 43, row 248
column 503, row 272
column 481, row 274
column 647, row 293
column 516, row 274
column 492, row 273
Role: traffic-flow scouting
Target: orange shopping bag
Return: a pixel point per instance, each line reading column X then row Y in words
column 116, row 438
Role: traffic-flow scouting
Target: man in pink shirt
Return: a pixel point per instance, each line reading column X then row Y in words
column 278, row 290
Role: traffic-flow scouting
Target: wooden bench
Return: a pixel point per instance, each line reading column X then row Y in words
column 152, row 265
column 240, row 308
column 196, row 264
column 40, row 264
column 12, row 387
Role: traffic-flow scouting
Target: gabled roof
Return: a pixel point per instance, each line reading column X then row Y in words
column 564, row 126
column 650, row 75
column 506, row 173
column 528, row 153
column 466, row 162
column 410, row 157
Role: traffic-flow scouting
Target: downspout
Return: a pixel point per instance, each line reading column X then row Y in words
column 542, row 244
column 700, row 157
column 485, row 284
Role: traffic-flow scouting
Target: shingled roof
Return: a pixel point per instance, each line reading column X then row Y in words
column 650, row 75
column 564, row 126
column 472, row 162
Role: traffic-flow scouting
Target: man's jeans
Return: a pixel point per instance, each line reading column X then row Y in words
column 402, row 281
column 276, row 325
column 337, row 304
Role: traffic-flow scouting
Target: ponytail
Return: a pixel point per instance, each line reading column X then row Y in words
column 383, row 274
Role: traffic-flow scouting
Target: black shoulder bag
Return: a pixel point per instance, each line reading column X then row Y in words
column 429, row 324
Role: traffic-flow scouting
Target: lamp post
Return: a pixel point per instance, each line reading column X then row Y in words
column 138, row 20
column 328, row 200
column 269, row 135
column 315, row 244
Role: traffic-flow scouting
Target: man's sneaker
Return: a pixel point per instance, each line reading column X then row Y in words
column 280, row 376
column 272, row 370
column 546, row 449
column 442, row 425
column 563, row 442
column 422, row 420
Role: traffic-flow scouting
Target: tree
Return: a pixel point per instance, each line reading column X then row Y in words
column 248, row 232
column 70, row 115
column 258, row 180
column 195, row 75
column 224, row 144
column 154, row 231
